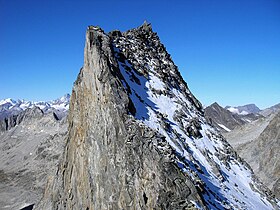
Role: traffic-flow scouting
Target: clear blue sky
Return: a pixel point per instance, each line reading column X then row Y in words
column 227, row 51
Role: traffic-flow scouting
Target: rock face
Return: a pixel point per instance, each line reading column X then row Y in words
column 258, row 143
column 137, row 138
column 29, row 151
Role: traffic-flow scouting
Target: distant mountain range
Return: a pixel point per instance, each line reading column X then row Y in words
column 228, row 118
column 244, row 110
column 10, row 107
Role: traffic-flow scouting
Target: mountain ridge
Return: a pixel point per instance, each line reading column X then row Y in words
column 226, row 120
column 11, row 106
column 137, row 137
column 11, row 111
column 244, row 109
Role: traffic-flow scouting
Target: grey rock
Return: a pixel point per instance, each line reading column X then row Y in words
column 29, row 152
column 13, row 120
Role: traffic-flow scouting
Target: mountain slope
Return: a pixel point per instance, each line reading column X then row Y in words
column 222, row 118
column 29, row 152
column 258, row 143
column 138, row 138
column 274, row 109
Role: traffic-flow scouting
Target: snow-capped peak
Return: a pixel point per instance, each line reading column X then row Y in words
column 12, row 107
column 65, row 98
column 7, row 101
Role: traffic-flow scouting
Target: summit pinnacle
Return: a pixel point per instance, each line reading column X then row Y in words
column 138, row 139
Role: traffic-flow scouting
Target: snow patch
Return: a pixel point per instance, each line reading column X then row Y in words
column 233, row 110
column 224, row 127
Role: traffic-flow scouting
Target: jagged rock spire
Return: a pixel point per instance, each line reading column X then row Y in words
column 138, row 139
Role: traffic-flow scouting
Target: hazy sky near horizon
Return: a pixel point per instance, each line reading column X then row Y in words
column 227, row 51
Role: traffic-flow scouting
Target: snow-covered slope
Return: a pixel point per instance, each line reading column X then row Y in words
column 162, row 101
column 10, row 107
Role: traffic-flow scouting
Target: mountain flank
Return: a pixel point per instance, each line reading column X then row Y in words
column 137, row 137
column 258, row 143
column 30, row 151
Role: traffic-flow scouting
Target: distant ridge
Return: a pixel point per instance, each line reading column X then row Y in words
column 9, row 107
column 244, row 110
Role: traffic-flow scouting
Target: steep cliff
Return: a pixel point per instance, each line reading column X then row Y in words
column 137, row 138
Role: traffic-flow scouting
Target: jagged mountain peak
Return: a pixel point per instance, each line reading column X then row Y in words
column 138, row 137
column 10, row 108
column 146, row 26
column 7, row 101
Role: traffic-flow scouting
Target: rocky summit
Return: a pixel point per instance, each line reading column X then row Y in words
column 137, row 137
